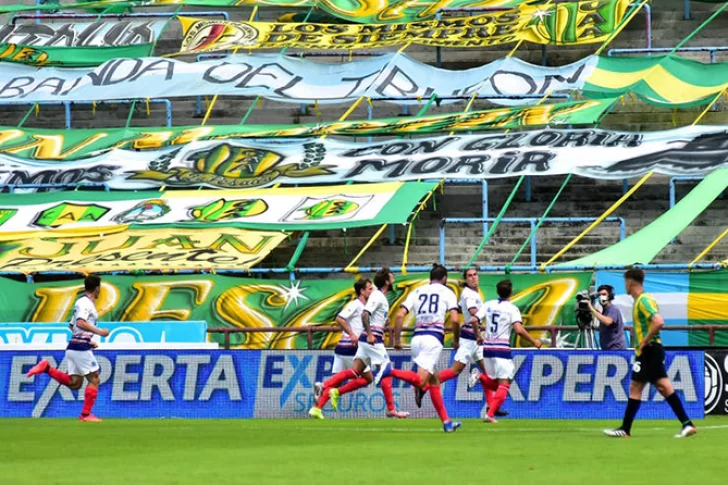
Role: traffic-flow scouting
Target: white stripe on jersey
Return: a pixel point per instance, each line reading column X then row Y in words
column 430, row 304
column 498, row 317
column 469, row 298
column 352, row 314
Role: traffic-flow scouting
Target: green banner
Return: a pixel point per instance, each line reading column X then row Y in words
column 228, row 302
column 388, row 11
column 275, row 209
column 660, row 80
column 707, row 305
column 39, row 144
column 70, row 56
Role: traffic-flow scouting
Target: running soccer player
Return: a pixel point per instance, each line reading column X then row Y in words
column 500, row 317
column 469, row 348
column 80, row 358
column 649, row 363
column 369, row 321
column 431, row 304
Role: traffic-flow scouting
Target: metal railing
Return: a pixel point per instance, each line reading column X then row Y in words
column 532, row 221
column 553, row 331
column 117, row 16
column 713, row 50
column 674, row 181
column 67, row 105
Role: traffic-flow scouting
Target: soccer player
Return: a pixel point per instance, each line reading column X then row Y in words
column 469, row 346
column 649, row 364
column 80, row 358
column 500, row 317
column 371, row 318
column 430, row 304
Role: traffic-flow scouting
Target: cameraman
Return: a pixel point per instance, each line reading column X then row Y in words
column 611, row 324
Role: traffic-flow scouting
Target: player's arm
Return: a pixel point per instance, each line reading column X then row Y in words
column 87, row 327
column 367, row 327
column 656, row 324
column 518, row 328
column 455, row 320
column 475, row 322
column 341, row 322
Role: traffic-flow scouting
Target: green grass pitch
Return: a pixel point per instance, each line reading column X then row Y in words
column 353, row 452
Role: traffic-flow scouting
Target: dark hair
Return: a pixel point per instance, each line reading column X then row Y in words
column 464, row 283
column 360, row 285
column 381, row 277
column 635, row 274
column 609, row 289
column 504, row 289
column 91, row 283
column 438, row 272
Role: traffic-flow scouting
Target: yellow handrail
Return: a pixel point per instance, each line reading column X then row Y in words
column 350, row 267
column 412, row 224
column 708, row 249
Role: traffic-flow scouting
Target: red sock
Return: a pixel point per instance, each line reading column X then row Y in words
column 488, row 383
column 407, row 376
column 61, row 377
column 489, row 395
column 89, row 398
column 438, row 403
column 500, row 397
column 446, row 375
column 337, row 379
column 353, row 385
column 387, row 390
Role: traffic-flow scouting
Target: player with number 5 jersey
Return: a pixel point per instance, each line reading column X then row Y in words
column 431, row 304
column 500, row 318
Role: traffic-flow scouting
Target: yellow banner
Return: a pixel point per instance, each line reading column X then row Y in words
column 123, row 248
column 561, row 24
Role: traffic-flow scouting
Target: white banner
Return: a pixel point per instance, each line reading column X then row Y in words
column 290, row 79
column 82, row 34
column 281, row 209
column 694, row 151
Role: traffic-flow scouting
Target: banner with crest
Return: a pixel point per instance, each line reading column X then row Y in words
column 282, row 209
column 238, row 164
column 564, row 23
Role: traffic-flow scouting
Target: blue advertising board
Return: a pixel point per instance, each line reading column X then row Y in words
column 120, row 332
column 550, row 384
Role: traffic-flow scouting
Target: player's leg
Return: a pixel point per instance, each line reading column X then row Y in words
column 356, row 381
column 428, row 350
column 89, row 398
column 504, row 373
column 636, row 386
column 451, row 373
column 489, row 385
column 66, row 379
column 658, row 375
column 342, row 371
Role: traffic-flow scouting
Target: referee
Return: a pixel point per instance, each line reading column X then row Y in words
column 649, row 364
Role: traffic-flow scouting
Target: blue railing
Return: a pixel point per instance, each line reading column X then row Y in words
column 713, row 50
column 524, row 220
column 68, row 104
column 674, row 181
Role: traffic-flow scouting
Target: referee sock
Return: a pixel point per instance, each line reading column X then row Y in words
column 633, row 405
column 59, row 376
column 677, row 407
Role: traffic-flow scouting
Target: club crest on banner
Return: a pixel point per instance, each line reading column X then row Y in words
column 222, row 210
column 333, row 209
column 147, row 210
column 68, row 213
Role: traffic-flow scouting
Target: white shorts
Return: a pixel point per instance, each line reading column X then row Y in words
column 500, row 368
column 342, row 362
column 426, row 350
column 469, row 351
column 81, row 362
column 371, row 355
